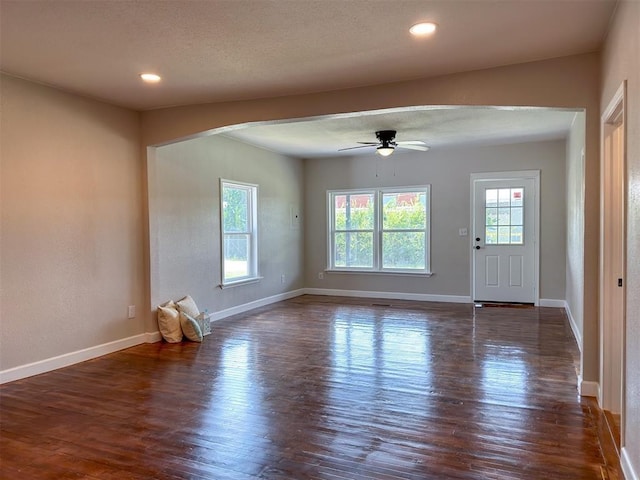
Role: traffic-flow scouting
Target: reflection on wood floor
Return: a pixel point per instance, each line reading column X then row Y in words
column 319, row 388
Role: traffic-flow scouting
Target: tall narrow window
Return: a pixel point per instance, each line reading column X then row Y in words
column 239, row 232
column 353, row 230
column 404, row 230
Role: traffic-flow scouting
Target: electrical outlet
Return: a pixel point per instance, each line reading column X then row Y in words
column 282, row 278
column 132, row 311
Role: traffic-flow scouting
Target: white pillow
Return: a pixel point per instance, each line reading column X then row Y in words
column 169, row 323
column 190, row 327
column 188, row 306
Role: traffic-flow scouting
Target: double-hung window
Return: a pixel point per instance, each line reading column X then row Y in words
column 239, row 232
column 381, row 230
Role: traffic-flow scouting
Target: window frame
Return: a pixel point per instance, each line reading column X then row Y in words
column 378, row 230
column 251, row 232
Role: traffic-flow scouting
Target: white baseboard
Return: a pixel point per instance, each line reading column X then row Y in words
column 588, row 389
column 574, row 326
column 49, row 364
column 423, row 297
column 630, row 472
column 551, row 302
column 219, row 315
column 153, row 337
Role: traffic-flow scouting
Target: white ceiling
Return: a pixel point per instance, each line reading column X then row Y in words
column 436, row 126
column 224, row 50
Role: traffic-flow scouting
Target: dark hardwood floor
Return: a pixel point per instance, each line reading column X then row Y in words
column 319, row 388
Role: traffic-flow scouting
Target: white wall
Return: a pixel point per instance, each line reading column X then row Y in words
column 185, row 222
column 72, row 238
column 448, row 171
column 620, row 61
column 575, row 226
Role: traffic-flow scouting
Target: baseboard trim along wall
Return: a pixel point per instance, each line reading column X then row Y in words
column 423, row 297
column 588, row 389
column 219, row 315
column 552, row 302
column 49, row 364
column 574, row 326
column 630, row 473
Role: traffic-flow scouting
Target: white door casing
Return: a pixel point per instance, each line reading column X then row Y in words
column 505, row 236
column 613, row 256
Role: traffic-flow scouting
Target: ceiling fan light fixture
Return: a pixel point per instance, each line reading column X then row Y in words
column 384, row 151
column 423, row 29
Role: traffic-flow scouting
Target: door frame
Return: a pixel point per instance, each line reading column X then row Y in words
column 612, row 332
column 509, row 175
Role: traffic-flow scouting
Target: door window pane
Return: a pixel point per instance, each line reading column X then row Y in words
column 504, row 212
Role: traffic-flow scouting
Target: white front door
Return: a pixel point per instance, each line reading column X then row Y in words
column 505, row 237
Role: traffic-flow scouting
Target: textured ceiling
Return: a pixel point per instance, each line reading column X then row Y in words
column 221, row 50
column 436, row 126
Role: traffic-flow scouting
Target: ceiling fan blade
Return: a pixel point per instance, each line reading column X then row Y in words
column 361, row 146
column 368, row 143
column 422, row 148
column 411, row 142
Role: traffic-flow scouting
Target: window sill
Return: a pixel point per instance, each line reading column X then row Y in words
column 399, row 273
column 237, row 283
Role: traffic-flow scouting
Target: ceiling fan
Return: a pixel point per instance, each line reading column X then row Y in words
column 386, row 144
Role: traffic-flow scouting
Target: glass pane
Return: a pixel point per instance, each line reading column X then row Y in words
column 504, row 197
column 403, row 250
column 516, row 236
column 491, row 215
column 353, row 249
column 235, row 211
column 353, row 212
column 504, row 209
column 516, row 197
column 516, row 216
column 504, row 216
column 491, row 235
column 406, row 210
column 491, row 197
column 504, row 234
column 236, row 256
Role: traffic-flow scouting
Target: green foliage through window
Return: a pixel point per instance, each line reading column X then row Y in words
column 238, row 205
column 380, row 230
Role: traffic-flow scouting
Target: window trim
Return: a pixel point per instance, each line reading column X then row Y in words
column 378, row 195
column 252, row 232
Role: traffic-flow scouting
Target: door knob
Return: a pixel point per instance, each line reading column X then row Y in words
column 477, row 247
column 477, row 239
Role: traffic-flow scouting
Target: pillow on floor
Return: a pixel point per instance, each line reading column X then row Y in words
column 190, row 327
column 188, row 306
column 169, row 322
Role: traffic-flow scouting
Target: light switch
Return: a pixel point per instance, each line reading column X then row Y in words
column 463, row 232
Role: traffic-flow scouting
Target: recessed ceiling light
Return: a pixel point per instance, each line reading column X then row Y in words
column 150, row 77
column 423, row 29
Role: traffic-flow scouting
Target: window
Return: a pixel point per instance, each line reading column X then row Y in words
column 239, row 232
column 504, row 223
column 384, row 230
